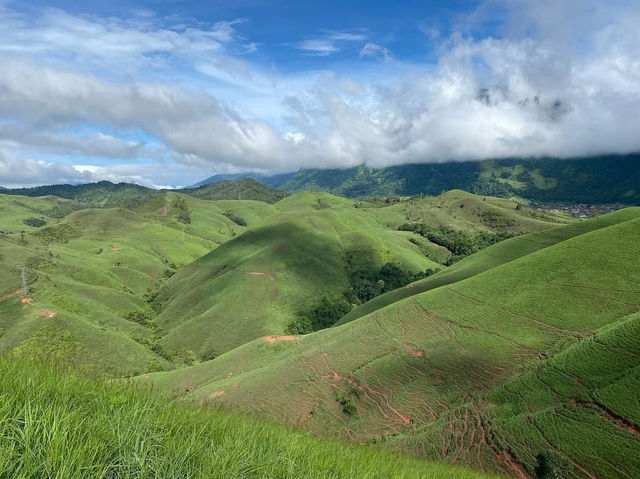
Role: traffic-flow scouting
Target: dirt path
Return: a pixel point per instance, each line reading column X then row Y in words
column 273, row 339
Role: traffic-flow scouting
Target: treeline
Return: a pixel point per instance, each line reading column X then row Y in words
column 367, row 279
column 459, row 243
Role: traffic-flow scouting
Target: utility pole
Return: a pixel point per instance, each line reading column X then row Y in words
column 25, row 286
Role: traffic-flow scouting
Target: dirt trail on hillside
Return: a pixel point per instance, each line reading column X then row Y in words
column 273, row 339
column 216, row 394
column 47, row 313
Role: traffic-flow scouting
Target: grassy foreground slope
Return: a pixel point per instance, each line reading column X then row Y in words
column 581, row 402
column 491, row 257
column 56, row 425
column 418, row 375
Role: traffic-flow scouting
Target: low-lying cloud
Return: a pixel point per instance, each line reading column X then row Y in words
column 563, row 80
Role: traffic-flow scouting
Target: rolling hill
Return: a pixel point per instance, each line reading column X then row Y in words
column 497, row 371
column 180, row 279
column 90, row 276
column 260, row 282
column 240, row 189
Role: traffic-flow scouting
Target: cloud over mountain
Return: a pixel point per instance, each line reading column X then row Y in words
column 557, row 79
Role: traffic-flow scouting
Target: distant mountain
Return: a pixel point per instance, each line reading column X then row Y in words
column 242, row 189
column 102, row 194
column 601, row 179
column 272, row 180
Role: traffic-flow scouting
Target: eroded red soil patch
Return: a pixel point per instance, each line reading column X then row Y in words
column 216, row 394
column 25, row 300
column 116, row 248
column 273, row 339
column 413, row 350
column 47, row 313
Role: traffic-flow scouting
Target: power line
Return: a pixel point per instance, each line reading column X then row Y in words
column 25, row 286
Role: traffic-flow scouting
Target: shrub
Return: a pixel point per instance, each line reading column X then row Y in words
column 184, row 212
column 552, row 465
column 235, row 218
column 34, row 222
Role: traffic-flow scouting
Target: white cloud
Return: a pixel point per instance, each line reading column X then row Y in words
column 330, row 42
column 375, row 50
column 320, row 47
column 558, row 89
column 19, row 172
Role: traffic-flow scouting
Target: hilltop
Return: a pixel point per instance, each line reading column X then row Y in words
column 448, row 373
column 240, row 189
column 105, row 194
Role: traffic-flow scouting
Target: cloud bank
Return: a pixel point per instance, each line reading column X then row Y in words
column 561, row 78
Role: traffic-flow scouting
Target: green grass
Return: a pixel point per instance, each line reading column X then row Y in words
column 56, row 425
column 96, row 267
column 581, row 402
column 298, row 249
column 491, row 257
column 418, row 375
column 93, row 269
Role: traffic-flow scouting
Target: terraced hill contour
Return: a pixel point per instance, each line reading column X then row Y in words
column 447, row 373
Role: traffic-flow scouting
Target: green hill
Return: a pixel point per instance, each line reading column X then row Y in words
column 102, row 194
column 446, row 373
column 310, row 246
column 58, row 426
column 241, row 189
column 91, row 276
column 601, row 179
column 491, row 257
column 257, row 283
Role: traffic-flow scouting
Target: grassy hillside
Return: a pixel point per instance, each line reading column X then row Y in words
column 241, row 189
column 603, row 179
column 430, row 374
column 257, row 283
column 103, row 194
column 491, row 257
column 262, row 281
column 56, row 425
column 91, row 276
column 95, row 274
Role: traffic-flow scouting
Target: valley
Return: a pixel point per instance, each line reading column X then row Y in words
column 456, row 328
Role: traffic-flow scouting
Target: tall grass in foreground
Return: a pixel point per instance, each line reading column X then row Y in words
column 56, row 425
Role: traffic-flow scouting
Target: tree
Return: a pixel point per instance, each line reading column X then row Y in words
column 552, row 465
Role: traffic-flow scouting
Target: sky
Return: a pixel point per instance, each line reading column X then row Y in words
column 165, row 93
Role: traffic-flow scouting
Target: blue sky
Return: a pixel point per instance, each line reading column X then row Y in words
column 165, row 93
